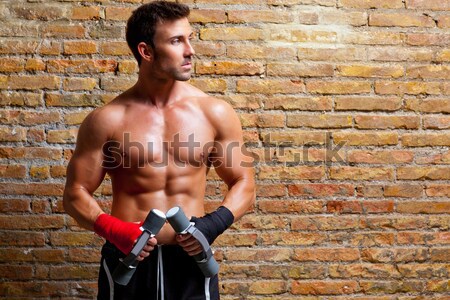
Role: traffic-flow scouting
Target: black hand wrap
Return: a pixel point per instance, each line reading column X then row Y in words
column 214, row 224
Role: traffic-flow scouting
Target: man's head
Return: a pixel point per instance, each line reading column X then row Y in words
column 141, row 26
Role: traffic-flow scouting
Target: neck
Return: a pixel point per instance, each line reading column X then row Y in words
column 159, row 92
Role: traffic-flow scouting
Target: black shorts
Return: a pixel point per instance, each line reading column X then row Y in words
column 179, row 277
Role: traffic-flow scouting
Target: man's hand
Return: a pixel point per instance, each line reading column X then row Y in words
column 151, row 243
column 189, row 244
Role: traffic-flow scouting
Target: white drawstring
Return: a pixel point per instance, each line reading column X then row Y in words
column 160, row 274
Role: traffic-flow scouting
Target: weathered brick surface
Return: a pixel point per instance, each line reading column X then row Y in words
column 345, row 107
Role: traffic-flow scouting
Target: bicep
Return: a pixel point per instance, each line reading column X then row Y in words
column 230, row 159
column 85, row 169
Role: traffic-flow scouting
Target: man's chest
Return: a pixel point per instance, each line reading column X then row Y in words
column 180, row 138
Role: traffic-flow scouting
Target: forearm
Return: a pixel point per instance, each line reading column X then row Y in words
column 81, row 206
column 240, row 197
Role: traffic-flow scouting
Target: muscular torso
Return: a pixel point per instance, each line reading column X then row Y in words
column 157, row 158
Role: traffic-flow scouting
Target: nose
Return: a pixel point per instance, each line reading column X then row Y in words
column 189, row 50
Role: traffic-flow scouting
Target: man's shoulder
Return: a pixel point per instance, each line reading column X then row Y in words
column 104, row 119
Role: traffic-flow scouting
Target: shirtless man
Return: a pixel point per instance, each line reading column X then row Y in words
column 156, row 141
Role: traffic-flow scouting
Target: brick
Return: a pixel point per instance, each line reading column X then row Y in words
column 17, row 272
column 243, row 2
column 17, row 29
column 443, row 21
column 370, row 71
column 128, row 67
column 73, row 100
column 63, row 31
column 306, row 2
column 371, row 4
column 422, row 238
column 273, row 255
column 231, row 33
column 424, row 140
column 10, row 65
column 204, row 16
column 38, row 11
column 354, row 18
column 338, row 87
column 259, row 16
column 300, row 69
column 16, row 134
column 308, row 17
column 118, row 13
column 326, row 254
column 36, row 189
column 298, row 103
column 10, row 98
column 18, row 46
column 292, row 238
column 258, row 222
column 116, row 84
column 387, row 122
column 34, row 65
column 361, row 173
column 436, row 122
column 423, row 207
column 12, row 171
column 80, row 47
column 49, row 255
column 271, row 86
column 365, row 139
column 411, row 87
column 432, row 158
column 18, row 288
column 319, row 223
column 440, row 254
column 205, row 48
column 389, row 53
column 14, row 205
column 297, row 137
column 62, row 136
column 58, row 171
column 90, row 255
column 79, row 83
column 73, row 272
column 48, row 47
column 427, row 4
column 443, row 55
column 74, row 239
column 400, row 20
column 380, row 156
column 35, row 136
column 427, row 39
column 332, row 287
column 403, row 190
column 287, row 206
column 85, row 13
column 106, row 30
column 34, row 82
column 267, row 172
column 40, row 172
column 31, row 222
column 229, row 68
column 319, row 121
column 75, row 118
column 346, row 53
column 437, row 190
column 428, row 72
column 423, row 173
column 35, row 118
column 368, row 103
column 22, row 238
column 118, row 48
column 374, row 38
column 81, row 66
column 210, row 85
column 268, row 287
column 439, row 105
column 321, row 190
column 262, row 121
column 247, row 51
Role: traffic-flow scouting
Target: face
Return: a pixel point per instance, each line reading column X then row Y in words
column 173, row 52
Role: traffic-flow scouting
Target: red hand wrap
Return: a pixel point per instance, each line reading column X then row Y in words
column 122, row 234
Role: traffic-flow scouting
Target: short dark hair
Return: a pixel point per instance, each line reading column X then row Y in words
column 141, row 26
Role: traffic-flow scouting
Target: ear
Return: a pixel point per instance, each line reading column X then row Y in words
column 145, row 51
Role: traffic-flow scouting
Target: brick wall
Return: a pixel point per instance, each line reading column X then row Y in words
column 345, row 105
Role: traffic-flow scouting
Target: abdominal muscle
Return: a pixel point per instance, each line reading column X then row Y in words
column 134, row 205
